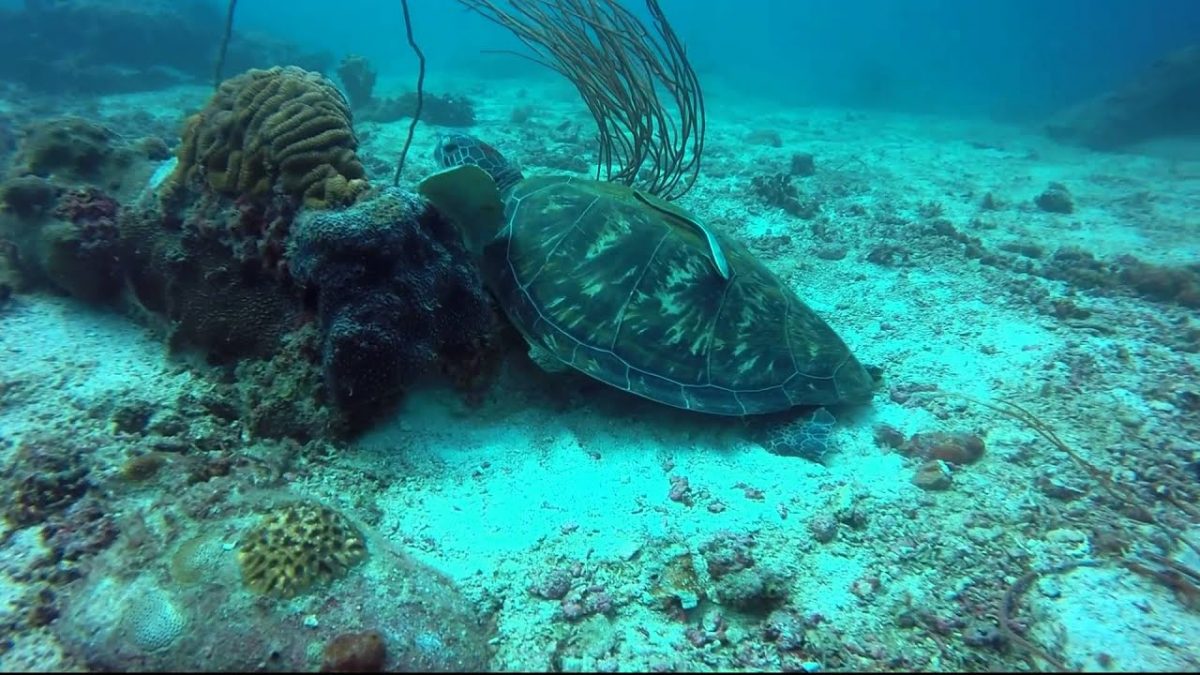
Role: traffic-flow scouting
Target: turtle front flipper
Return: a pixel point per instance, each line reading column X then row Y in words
column 715, row 253
column 467, row 195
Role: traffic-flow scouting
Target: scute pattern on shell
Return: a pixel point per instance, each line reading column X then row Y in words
column 628, row 294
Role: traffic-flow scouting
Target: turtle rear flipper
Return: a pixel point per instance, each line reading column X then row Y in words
column 805, row 436
column 546, row 360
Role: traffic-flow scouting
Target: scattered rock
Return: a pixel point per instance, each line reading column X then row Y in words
column 727, row 553
column 956, row 448
column 364, row 652
column 132, row 417
column 889, row 437
column 932, row 475
column 803, row 164
column 832, row 252
column 823, row 527
column 681, row 491
column 554, row 585
column 1056, row 488
column 752, row 590
column 1055, row 199
column 768, row 137
column 777, row 190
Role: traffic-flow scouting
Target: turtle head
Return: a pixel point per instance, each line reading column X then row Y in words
column 456, row 149
column 467, row 189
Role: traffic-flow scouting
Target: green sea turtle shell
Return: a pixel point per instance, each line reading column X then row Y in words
column 617, row 284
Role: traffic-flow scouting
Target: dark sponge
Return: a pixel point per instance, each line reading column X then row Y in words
column 397, row 296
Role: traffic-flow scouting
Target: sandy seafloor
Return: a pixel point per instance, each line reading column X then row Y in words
column 498, row 496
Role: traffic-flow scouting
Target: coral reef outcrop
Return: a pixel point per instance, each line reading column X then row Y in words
column 283, row 129
column 170, row 599
column 1163, row 100
column 397, row 296
column 90, row 47
column 252, row 250
column 445, row 110
column 358, row 79
column 60, row 206
column 203, row 272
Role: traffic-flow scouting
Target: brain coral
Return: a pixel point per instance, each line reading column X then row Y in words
column 196, row 558
column 284, row 128
column 153, row 621
column 297, row 545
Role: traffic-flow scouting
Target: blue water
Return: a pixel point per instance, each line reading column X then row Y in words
column 1001, row 58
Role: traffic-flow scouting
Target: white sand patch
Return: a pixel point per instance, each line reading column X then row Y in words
column 61, row 357
column 507, row 496
column 1111, row 619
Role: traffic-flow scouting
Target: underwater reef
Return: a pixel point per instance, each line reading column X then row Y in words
column 182, row 560
column 346, row 462
column 396, row 294
column 358, row 79
column 91, row 46
column 261, row 239
column 315, row 301
column 1161, row 101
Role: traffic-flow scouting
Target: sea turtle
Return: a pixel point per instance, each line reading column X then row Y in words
column 635, row 292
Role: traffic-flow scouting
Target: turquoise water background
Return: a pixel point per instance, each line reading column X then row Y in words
column 999, row 58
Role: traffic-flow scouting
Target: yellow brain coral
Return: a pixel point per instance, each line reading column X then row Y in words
column 296, row 546
column 284, row 128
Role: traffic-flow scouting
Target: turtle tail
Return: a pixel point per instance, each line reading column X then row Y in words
column 456, row 149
